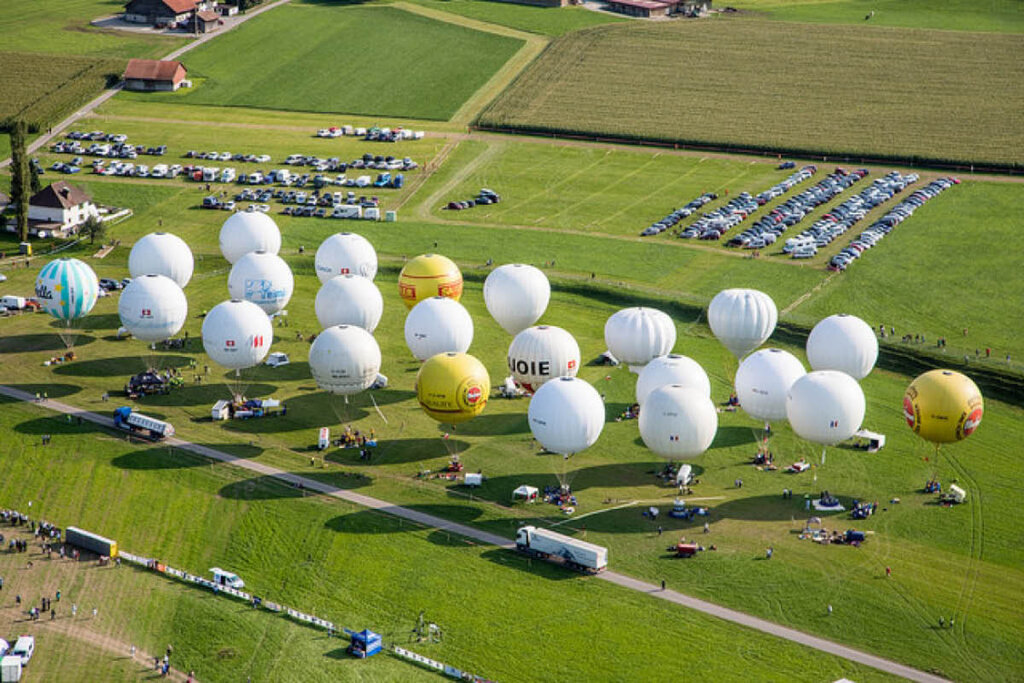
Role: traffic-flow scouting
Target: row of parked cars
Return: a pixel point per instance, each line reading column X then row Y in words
column 887, row 223
column 679, row 214
column 844, row 216
column 374, row 134
column 228, row 156
column 96, row 135
column 379, row 162
column 113, row 150
column 767, row 229
column 779, row 189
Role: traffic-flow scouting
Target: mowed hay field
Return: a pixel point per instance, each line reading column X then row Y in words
column 883, row 92
column 359, row 60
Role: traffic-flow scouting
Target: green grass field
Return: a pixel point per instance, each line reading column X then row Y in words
column 998, row 16
column 963, row 561
column 43, row 89
column 879, row 89
column 357, row 568
column 385, row 59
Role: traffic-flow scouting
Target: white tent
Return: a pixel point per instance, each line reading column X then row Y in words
column 527, row 492
column 874, row 439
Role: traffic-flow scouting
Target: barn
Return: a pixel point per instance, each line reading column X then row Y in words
column 153, row 74
column 164, row 12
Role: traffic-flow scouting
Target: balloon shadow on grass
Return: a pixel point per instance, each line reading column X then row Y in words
column 295, row 370
column 397, row 451
column 57, row 424
column 125, row 366
column 733, row 435
column 272, row 488
column 543, row 569
column 495, row 424
column 772, row 508
column 51, row 391
column 157, row 458
column 201, row 394
column 103, row 321
column 21, row 343
column 380, row 521
column 308, row 411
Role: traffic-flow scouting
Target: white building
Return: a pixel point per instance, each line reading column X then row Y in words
column 59, row 209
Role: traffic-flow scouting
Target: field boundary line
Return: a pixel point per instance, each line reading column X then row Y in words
column 422, row 210
column 703, row 606
column 108, row 643
column 533, row 45
column 809, row 293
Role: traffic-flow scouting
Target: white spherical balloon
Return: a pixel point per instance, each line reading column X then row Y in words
column 161, row 253
column 345, row 253
column 636, row 336
column 672, row 369
column 262, row 278
column 344, row 359
column 438, row 325
column 678, row 421
column 762, row 381
column 742, row 319
column 825, row 406
column 542, row 353
column 152, row 307
column 845, row 343
column 516, row 296
column 237, row 334
column 67, row 288
column 349, row 300
column 566, row 415
column 246, row 231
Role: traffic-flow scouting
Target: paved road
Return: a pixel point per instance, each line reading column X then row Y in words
column 55, row 131
column 703, row 606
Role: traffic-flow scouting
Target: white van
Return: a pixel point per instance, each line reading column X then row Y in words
column 24, row 648
column 210, row 174
column 806, row 251
column 223, row 578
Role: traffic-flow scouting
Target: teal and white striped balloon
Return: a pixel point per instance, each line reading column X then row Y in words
column 67, row 288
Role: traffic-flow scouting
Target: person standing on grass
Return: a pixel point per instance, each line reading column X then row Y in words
column 663, row 584
column 888, row 572
column 829, row 610
column 74, row 610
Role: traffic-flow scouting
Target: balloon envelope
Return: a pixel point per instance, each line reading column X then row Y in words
column 344, row 360
column 246, row 231
column 345, row 253
column 636, row 336
column 452, row 387
column 516, row 296
column 161, row 253
column 429, row 275
column 671, row 369
column 742, row 319
column 237, row 334
column 678, row 421
column 153, row 308
column 349, row 300
column 67, row 288
column 539, row 354
column 566, row 415
column 825, row 406
column 763, row 380
column 262, row 278
column 437, row 325
column 845, row 343
column 943, row 406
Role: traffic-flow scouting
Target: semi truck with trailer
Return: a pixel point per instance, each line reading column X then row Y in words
column 142, row 425
column 560, row 549
column 87, row 540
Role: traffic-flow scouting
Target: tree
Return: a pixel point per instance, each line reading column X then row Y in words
column 33, row 172
column 21, row 182
column 94, row 227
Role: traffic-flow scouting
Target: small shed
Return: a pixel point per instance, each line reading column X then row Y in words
column 640, row 8
column 154, row 74
column 205, row 21
column 527, row 493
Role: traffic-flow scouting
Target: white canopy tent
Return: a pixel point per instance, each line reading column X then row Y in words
column 874, row 439
column 527, row 492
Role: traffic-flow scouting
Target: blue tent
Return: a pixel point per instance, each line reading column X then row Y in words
column 365, row 643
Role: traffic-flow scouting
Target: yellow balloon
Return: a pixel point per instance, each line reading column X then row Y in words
column 943, row 406
column 453, row 387
column 429, row 275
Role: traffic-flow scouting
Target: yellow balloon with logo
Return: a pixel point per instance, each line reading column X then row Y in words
column 453, row 387
column 943, row 406
column 429, row 275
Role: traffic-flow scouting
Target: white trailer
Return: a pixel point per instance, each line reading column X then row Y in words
column 561, row 549
column 10, row 669
column 347, row 211
column 16, row 302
